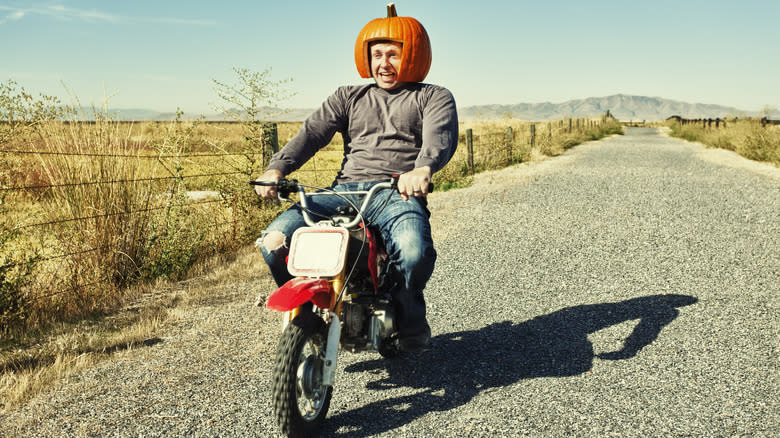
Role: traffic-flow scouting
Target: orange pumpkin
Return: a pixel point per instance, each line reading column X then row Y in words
column 416, row 53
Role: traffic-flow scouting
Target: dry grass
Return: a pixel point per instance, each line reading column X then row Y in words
column 745, row 137
column 41, row 358
column 140, row 222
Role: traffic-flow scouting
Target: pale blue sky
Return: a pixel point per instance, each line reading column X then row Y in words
column 162, row 55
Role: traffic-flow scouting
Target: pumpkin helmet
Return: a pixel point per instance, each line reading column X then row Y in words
column 416, row 53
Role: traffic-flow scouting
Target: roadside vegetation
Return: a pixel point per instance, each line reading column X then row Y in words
column 100, row 218
column 746, row 137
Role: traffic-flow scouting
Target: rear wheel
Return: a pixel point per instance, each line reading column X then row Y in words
column 301, row 401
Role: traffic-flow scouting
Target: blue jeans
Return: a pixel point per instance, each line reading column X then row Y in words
column 405, row 231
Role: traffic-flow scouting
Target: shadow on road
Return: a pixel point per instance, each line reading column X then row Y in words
column 458, row 366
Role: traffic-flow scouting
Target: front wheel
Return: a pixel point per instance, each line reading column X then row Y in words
column 301, row 401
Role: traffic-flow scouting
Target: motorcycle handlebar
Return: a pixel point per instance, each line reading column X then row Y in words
column 285, row 187
column 291, row 185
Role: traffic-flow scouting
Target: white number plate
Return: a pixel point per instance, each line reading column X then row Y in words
column 318, row 251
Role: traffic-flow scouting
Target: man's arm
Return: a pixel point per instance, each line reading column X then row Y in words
column 440, row 130
column 440, row 139
column 317, row 131
column 268, row 192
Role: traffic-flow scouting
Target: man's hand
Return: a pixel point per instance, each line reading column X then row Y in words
column 268, row 192
column 414, row 183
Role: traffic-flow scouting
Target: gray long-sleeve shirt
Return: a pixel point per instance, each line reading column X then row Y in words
column 385, row 132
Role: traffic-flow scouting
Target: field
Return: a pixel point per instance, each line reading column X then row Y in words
column 747, row 137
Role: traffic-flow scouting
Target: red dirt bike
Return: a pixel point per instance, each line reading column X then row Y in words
column 340, row 297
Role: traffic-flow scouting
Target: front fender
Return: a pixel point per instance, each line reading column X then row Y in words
column 299, row 291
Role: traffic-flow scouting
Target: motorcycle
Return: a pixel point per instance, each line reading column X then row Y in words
column 339, row 299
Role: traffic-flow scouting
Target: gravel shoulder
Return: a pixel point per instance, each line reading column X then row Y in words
column 626, row 288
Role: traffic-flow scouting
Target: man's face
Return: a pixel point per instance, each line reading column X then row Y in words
column 385, row 61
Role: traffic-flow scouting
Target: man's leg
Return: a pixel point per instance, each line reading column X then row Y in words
column 406, row 233
column 274, row 242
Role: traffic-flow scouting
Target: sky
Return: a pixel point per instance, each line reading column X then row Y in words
column 165, row 54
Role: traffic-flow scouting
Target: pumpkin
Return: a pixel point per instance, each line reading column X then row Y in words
column 416, row 53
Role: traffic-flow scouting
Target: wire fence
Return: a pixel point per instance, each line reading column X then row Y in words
column 721, row 122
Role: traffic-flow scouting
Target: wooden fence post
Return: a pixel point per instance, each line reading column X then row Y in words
column 569, row 130
column 270, row 142
column 509, row 139
column 470, row 149
column 533, row 136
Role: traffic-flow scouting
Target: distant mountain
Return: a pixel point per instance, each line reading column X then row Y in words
column 622, row 106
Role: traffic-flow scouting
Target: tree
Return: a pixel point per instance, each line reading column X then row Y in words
column 251, row 101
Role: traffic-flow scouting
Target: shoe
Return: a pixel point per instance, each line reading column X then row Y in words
column 415, row 342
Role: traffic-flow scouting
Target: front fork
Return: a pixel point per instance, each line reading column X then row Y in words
column 334, row 332
column 331, row 351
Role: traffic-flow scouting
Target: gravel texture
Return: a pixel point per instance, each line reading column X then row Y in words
column 626, row 288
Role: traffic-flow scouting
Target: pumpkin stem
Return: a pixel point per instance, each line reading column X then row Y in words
column 391, row 10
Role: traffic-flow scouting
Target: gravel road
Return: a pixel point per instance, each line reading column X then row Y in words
column 626, row 288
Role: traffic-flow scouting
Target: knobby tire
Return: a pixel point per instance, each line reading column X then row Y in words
column 302, row 331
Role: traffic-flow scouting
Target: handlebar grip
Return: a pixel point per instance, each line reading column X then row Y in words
column 284, row 186
column 395, row 178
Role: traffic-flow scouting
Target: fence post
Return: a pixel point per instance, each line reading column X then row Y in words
column 569, row 130
column 470, row 149
column 533, row 136
column 509, row 138
column 270, row 142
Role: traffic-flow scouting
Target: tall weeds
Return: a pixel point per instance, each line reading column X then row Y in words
column 91, row 211
column 746, row 137
column 116, row 211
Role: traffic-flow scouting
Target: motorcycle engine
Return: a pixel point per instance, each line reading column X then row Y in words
column 354, row 319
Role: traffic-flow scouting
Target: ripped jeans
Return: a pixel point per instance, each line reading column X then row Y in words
column 405, row 231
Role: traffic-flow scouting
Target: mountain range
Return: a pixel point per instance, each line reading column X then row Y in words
column 623, row 107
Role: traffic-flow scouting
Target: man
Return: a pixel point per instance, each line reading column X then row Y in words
column 394, row 126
